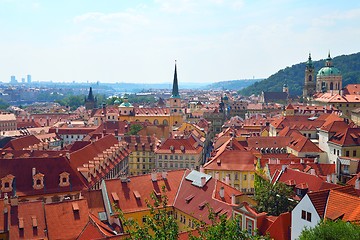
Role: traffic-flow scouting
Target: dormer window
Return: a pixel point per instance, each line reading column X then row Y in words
column 6, row 183
column 38, row 181
column 64, row 179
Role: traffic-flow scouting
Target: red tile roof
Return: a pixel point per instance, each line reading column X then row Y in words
column 232, row 160
column 280, row 228
column 301, row 143
column 145, row 187
column 31, row 216
column 63, row 222
column 344, row 206
column 191, row 146
column 346, row 137
column 22, row 143
column 51, row 167
column 268, row 142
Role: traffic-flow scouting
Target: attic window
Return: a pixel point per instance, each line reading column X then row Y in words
column 34, row 221
column 64, row 179
column 218, row 161
column 7, row 181
column 137, row 195
column 21, row 223
column 38, row 181
column 189, row 198
column 202, row 205
column 115, row 196
column 75, row 206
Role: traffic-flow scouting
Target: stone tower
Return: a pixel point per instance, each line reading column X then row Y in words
column 309, row 85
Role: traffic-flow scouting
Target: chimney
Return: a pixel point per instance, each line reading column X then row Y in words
column 227, row 179
column 333, row 178
column 328, row 178
column 222, row 192
column 154, row 176
column 116, row 132
column 33, row 171
column 283, row 168
column 202, row 169
column 357, row 184
column 301, row 160
column 233, row 199
column 164, row 174
column 217, row 175
column 312, row 171
column 203, row 181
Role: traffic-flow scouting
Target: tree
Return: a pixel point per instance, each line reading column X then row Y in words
column 273, row 198
column 134, row 129
column 160, row 224
column 330, row 230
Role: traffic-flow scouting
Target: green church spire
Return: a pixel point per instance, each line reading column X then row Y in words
column 90, row 96
column 175, row 90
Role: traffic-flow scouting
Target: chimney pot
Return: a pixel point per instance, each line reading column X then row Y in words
column 222, row 192
column 203, row 181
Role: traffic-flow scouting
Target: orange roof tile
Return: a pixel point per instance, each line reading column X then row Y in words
column 343, row 205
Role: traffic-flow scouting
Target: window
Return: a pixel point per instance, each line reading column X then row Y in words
column 138, row 159
column 244, row 176
column 249, row 226
column 338, row 152
column 144, row 219
column 236, row 176
column 334, row 151
column 306, row 215
column 303, row 214
column 354, row 153
column 165, row 157
column 347, row 153
column 160, row 156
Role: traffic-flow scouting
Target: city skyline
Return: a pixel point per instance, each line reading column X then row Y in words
column 138, row 41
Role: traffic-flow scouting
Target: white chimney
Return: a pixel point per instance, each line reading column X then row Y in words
column 222, row 192
column 227, row 179
column 33, row 171
column 203, row 181
column 201, row 169
column 164, row 174
column 357, row 184
column 154, row 176
column 233, row 200
column 333, row 178
column 301, row 160
column 328, row 178
column 217, row 175
column 312, row 171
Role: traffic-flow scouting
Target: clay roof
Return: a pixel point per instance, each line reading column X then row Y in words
column 95, row 229
column 301, row 143
column 72, row 216
column 152, row 111
column 346, row 137
column 22, row 142
column 299, row 122
column 343, row 206
column 230, row 160
column 72, row 130
column 143, row 143
column 191, row 146
column 334, row 126
column 352, row 89
column 268, row 142
column 289, row 107
column 280, row 228
column 128, row 201
column 95, row 201
column 27, row 221
column 321, row 169
column 50, row 167
column 319, row 200
column 209, row 194
column 302, row 180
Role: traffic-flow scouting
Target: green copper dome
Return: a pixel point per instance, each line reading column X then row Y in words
column 126, row 103
column 329, row 71
column 117, row 102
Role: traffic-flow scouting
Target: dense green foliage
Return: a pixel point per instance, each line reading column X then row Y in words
column 73, row 101
column 161, row 224
column 272, row 198
column 293, row 76
column 134, row 129
column 329, row 230
column 3, row 104
column 232, row 84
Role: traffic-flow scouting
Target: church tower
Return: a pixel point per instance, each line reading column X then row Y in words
column 175, row 102
column 309, row 86
column 329, row 78
column 90, row 101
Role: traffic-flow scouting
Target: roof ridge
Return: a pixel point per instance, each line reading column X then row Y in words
column 180, row 185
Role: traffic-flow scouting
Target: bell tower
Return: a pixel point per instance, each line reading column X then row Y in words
column 309, row 85
column 175, row 102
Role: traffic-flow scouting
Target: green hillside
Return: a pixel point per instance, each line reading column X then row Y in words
column 232, row 84
column 349, row 65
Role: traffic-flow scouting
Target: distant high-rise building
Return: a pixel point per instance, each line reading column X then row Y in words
column 28, row 77
column 13, row 79
column 23, row 80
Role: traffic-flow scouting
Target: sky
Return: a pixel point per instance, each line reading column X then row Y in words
column 138, row 41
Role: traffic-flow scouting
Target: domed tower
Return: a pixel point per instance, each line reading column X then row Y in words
column 309, row 85
column 329, row 78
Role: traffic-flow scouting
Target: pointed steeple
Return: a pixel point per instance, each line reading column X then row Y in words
column 328, row 61
column 309, row 63
column 90, row 96
column 175, row 90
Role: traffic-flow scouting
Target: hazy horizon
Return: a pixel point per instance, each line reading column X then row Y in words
column 139, row 41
